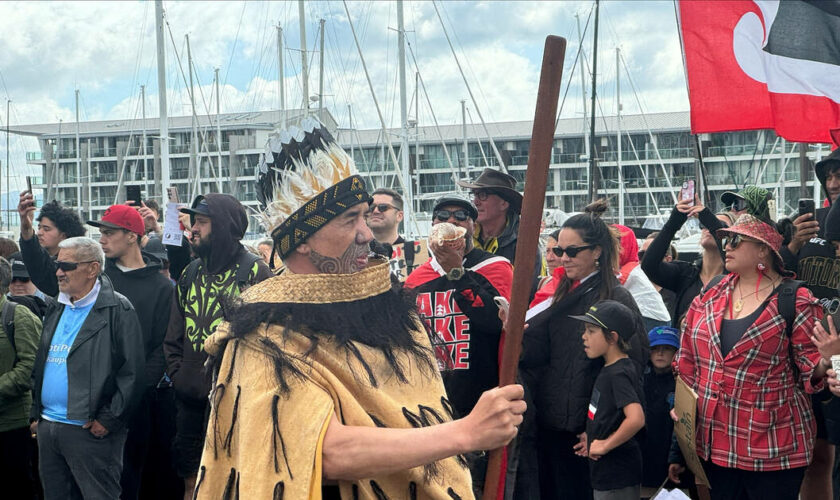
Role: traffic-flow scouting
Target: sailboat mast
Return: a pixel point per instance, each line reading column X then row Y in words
column 164, row 119
column 594, row 175
column 582, row 63
column 281, row 88
column 321, row 76
column 303, row 58
column 194, row 168
column 143, row 148
column 408, row 208
column 78, row 160
column 618, row 138
column 464, row 132
column 218, row 123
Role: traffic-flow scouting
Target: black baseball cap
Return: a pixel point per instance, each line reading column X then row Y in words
column 199, row 207
column 612, row 316
column 458, row 201
column 18, row 267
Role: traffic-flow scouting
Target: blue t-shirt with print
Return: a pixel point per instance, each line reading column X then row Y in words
column 55, row 387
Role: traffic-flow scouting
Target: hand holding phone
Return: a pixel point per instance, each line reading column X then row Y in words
column 807, row 207
column 687, row 191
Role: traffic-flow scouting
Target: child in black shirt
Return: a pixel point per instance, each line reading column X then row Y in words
column 615, row 409
column 659, row 385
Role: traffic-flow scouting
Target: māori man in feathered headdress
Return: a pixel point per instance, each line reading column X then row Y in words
column 326, row 383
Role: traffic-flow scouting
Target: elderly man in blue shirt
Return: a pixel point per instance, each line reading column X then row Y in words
column 87, row 378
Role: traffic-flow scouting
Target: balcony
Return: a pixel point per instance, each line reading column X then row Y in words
column 34, row 156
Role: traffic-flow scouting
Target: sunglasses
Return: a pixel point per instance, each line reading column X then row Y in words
column 733, row 241
column 571, row 251
column 381, row 207
column 22, row 280
column 444, row 215
column 70, row 266
column 737, row 205
column 481, row 194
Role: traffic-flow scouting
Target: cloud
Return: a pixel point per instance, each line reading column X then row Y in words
column 107, row 50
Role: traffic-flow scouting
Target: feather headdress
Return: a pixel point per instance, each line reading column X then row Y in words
column 304, row 180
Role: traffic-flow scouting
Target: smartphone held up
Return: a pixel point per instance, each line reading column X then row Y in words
column 687, row 191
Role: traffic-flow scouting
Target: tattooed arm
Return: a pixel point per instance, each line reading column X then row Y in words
column 352, row 453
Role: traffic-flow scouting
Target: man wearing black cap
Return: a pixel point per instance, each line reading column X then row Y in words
column 137, row 276
column 498, row 206
column 455, row 291
column 223, row 268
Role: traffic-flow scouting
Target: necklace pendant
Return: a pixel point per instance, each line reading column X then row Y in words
column 739, row 304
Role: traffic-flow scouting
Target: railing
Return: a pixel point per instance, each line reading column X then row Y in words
column 34, row 156
column 98, row 152
column 105, row 177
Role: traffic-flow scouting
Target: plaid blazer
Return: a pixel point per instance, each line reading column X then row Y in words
column 751, row 412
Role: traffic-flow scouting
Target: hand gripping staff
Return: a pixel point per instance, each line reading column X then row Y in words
column 536, row 178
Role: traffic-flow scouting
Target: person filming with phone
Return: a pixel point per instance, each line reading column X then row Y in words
column 55, row 224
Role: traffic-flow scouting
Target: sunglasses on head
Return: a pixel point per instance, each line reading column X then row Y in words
column 733, row 241
column 70, row 266
column 381, row 207
column 444, row 215
column 570, row 251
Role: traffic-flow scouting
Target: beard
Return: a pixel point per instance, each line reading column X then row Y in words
column 201, row 249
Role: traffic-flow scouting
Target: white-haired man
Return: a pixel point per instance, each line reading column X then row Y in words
column 87, row 378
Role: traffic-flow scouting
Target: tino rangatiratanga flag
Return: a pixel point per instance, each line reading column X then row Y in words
column 763, row 65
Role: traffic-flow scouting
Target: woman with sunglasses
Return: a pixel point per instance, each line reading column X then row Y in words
column 751, row 371
column 554, row 365
column 686, row 279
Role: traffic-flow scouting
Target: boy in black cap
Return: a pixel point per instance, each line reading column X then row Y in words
column 615, row 409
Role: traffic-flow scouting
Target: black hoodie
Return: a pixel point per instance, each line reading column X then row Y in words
column 150, row 292
column 197, row 306
column 816, row 263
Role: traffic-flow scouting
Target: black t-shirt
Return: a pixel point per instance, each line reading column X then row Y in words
column 617, row 386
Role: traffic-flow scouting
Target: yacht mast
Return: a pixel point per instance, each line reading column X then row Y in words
column 280, row 81
column 143, row 148
column 303, row 58
column 78, row 161
column 321, row 76
column 408, row 208
column 583, row 88
column 594, row 175
column 195, row 171
column 618, row 138
column 164, row 119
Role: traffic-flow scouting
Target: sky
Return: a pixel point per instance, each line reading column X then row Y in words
column 106, row 50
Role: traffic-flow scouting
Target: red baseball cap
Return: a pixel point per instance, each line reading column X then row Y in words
column 121, row 217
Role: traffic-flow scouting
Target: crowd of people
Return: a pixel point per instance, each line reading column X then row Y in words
column 338, row 357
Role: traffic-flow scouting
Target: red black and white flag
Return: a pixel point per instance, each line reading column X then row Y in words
column 763, row 64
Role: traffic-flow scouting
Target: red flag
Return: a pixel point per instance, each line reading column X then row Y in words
column 767, row 65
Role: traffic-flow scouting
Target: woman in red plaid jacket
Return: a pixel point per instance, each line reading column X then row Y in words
column 755, row 425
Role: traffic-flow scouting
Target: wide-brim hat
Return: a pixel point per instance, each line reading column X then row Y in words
column 500, row 183
column 458, row 201
column 752, row 227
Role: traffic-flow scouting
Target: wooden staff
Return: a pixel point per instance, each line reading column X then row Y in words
column 536, row 179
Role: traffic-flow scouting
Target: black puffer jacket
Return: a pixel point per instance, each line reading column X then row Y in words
column 554, row 363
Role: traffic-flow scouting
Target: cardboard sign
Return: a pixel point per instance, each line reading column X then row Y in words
column 399, row 267
column 172, row 231
column 685, row 406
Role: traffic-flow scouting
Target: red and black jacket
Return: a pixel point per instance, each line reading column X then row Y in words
column 463, row 320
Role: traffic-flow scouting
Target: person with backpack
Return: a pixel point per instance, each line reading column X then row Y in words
column 223, row 269
column 20, row 333
column 746, row 351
